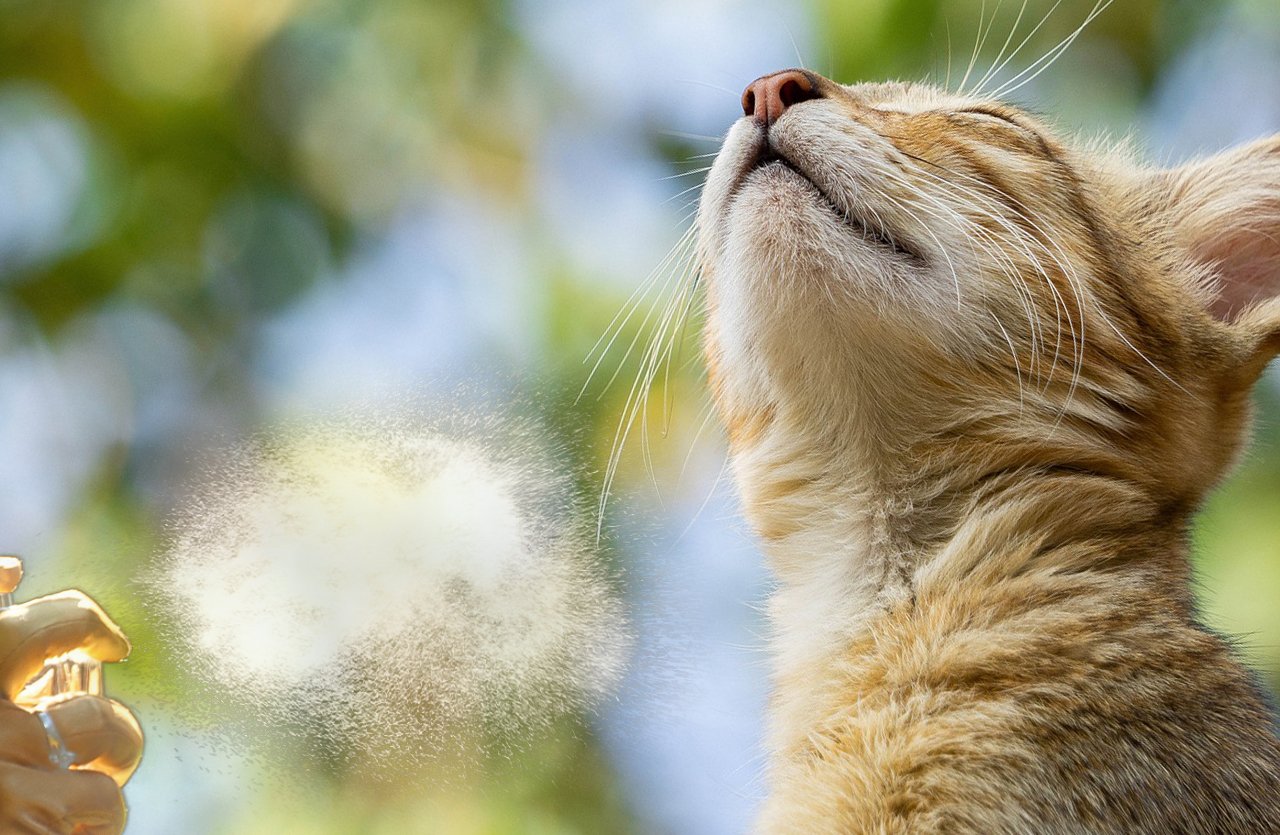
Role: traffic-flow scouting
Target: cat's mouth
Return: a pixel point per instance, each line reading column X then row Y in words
column 870, row 230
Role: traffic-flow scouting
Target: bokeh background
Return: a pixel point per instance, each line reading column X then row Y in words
column 217, row 215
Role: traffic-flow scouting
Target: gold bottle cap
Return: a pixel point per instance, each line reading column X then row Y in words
column 10, row 573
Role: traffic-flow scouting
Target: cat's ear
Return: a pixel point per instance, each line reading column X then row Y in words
column 1225, row 213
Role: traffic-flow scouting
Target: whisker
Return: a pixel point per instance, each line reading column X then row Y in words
column 1051, row 57
column 626, row 422
column 696, row 137
column 942, row 249
column 1001, row 221
column 682, row 279
column 637, row 296
column 1064, row 264
column 697, row 83
column 708, row 412
column 678, row 252
column 660, row 357
column 680, row 194
column 999, row 67
column 710, row 495
column 702, row 170
column 792, row 35
column 1017, row 367
column 683, row 323
column 983, row 31
column 1013, row 30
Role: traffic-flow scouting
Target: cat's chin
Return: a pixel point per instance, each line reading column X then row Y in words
column 781, row 229
column 772, row 171
column 780, row 225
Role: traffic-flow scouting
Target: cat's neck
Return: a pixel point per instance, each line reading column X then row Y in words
column 849, row 543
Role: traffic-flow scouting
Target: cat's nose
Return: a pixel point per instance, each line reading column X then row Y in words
column 769, row 96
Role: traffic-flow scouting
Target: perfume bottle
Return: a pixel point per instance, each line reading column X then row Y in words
column 74, row 672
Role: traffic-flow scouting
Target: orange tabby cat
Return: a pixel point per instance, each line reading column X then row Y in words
column 977, row 382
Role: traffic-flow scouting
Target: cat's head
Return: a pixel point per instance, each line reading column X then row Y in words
column 901, row 278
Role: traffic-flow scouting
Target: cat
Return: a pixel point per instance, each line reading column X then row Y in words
column 976, row 383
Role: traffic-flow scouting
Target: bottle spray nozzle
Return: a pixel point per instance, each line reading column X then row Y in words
column 10, row 577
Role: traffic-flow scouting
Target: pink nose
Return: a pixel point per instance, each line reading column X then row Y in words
column 769, row 96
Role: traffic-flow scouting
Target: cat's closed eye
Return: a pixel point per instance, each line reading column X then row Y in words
column 990, row 113
column 995, row 118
